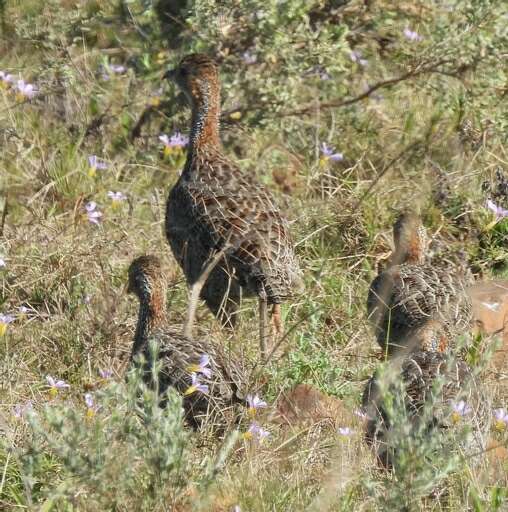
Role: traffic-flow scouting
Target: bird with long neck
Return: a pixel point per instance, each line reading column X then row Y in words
column 187, row 365
column 198, row 78
column 215, row 207
column 149, row 284
column 410, row 297
column 410, row 240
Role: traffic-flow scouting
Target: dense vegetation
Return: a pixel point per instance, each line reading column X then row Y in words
column 349, row 111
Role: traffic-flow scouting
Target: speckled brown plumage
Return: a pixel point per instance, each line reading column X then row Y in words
column 214, row 206
column 410, row 293
column 177, row 353
column 426, row 386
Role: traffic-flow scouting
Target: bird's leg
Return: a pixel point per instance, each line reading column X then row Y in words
column 262, row 327
column 277, row 329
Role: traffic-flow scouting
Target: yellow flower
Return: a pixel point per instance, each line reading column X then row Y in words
column 190, row 390
column 154, row 101
column 501, row 420
column 5, row 320
column 168, row 151
column 196, row 386
column 55, row 385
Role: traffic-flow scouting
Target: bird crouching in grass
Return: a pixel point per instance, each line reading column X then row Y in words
column 209, row 380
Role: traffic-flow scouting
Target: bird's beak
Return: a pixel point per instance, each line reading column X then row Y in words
column 127, row 287
column 170, row 75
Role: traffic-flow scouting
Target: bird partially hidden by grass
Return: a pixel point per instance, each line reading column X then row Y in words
column 412, row 294
column 209, row 379
column 418, row 396
column 215, row 208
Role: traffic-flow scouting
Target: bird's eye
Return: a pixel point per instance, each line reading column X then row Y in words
column 184, row 72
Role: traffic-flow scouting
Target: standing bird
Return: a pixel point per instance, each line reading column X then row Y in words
column 410, row 293
column 418, row 396
column 214, row 208
column 209, row 380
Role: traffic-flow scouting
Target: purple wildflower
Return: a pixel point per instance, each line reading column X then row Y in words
column 6, row 78
column 105, row 374
column 173, row 144
column 55, row 385
column 360, row 413
column 501, row 419
column 202, row 367
column 196, row 386
column 255, row 403
column 356, row 56
column 95, row 163
column 5, row 320
column 177, row 139
column 412, row 35
column 117, row 68
column 460, row 409
column 92, row 213
column 500, row 212
column 116, row 198
column 164, row 139
column 328, row 153
column 2, row 263
column 91, row 407
column 23, row 310
column 256, row 432
column 323, row 74
column 155, row 99
column 249, row 58
column 345, row 431
column 26, row 90
column 20, row 410
column 320, row 71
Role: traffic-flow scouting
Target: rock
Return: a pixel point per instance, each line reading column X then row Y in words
column 490, row 309
column 306, row 404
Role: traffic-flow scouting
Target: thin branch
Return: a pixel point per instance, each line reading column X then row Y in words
column 421, row 69
column 196, row 288
column 3, row 211
column 413, row 73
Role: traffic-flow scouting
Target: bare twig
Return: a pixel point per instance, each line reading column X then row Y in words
column 3, row 211
column 196, row 288
column 418, row 70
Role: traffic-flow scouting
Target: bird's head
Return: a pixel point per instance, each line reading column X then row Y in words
column 197, row 75
column 146, row 277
